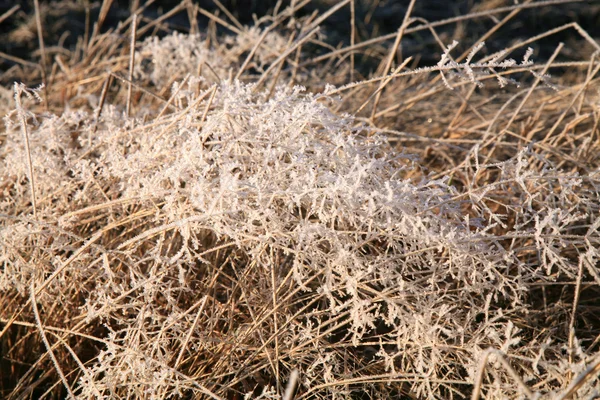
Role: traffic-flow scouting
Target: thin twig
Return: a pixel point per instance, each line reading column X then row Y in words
column 291, row 386
column 492, row 31
column 131, row 62
column 220, row 21
column 179, row 87
column 284, row 55
column 101, row 17
column 252, row 52
column 482, row 364
column 138, row 87
column 574, row 310
column 229, row 15
column 21, row 113
column 587, row 375
column 210, row 100
column 579, row 93
column 40, row 32
column 325, row 15
column 392, row 54
column 275, row 324
column 436, row 24
column 180, row 7
column 101, row 105
column 10, row 12
column 383, row 84
column 352, row 37
column 19, row 60
column 46, row 342
column 280, row 67
column 538, row 79
column 262, row 37
column 190, row 332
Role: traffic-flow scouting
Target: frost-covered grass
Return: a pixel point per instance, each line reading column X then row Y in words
column 424, row 232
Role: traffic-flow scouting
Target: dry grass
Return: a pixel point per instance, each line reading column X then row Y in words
column 182, row 220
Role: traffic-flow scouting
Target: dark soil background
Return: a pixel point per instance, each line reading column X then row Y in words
column 64, row 21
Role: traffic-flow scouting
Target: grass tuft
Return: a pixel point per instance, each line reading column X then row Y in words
column 250, row 211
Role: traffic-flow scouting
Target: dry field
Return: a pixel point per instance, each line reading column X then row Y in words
column 355, row 199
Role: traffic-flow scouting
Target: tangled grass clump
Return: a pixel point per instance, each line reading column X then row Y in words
column 220, row 241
